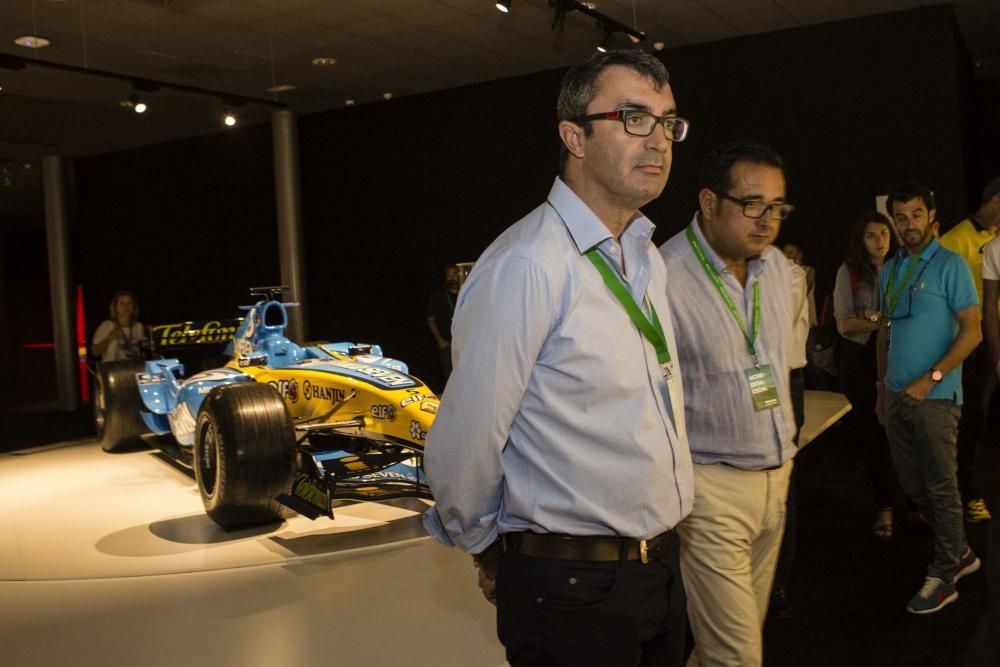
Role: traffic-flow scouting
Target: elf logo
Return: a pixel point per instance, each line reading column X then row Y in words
column 386, row 412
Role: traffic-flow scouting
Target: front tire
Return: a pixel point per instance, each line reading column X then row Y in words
column 116, row 406
column 244, row 454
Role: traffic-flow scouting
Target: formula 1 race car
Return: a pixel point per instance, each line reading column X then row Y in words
column 280, row 423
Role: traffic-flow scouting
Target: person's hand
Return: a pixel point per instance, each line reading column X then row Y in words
column 443, row 344
column 488, row 563
column 488, row 586
column 916, row 391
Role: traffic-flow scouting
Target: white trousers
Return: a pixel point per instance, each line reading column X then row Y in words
column 729, row 549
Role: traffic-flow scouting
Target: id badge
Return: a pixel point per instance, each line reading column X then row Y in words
column 763, row 391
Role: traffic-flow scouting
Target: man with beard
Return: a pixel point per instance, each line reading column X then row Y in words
column 558, row 457
column 926, row 289
column 732, row 302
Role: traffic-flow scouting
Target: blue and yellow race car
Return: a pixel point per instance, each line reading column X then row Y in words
column 280, row 423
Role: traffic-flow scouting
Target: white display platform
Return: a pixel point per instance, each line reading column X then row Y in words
column 823, row 409
column 109, row 560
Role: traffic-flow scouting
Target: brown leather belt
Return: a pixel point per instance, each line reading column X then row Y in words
column 570, row 547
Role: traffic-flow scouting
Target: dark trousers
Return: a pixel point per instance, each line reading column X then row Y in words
column 856, row 369
column 978, row 384
column 577, row 613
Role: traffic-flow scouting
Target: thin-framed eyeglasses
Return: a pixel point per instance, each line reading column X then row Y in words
column 757, row 209
column 640, row 123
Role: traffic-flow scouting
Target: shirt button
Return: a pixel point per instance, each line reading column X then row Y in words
column 612, row 248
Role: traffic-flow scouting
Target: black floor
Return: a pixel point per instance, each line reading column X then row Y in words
column 848, row 589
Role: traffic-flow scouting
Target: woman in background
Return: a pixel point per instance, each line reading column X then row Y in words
column 118, row 338
column 857, row 309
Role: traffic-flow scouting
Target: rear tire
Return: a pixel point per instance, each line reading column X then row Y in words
column 117, row 404
column 244, row 454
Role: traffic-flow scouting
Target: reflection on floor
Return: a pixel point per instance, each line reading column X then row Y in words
column 109, row 559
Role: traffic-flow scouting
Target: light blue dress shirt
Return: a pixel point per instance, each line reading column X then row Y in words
column 941, row 285
column 557, row 417
column 723, row 426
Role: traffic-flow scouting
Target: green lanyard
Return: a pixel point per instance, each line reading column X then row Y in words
column 713, row 275
column 652, row 330
column 892, row 298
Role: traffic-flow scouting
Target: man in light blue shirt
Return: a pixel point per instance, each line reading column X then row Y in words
column 931, row 321
column 733, row 306
column 559, row 448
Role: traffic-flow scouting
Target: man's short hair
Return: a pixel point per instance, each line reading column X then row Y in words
column 716, row 168
column 579, row 84
column 991, row 190
column 909, row 191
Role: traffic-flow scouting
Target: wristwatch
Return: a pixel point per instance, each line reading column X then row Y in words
column 873, row 317
column 936, row 375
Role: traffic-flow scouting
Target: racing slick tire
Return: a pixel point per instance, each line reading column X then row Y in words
column 117, row 403
column 244, row 454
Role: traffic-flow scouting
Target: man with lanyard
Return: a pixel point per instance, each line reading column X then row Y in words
column 926, row 289
column 968, row 239
column 558, row 457
column 731, row 298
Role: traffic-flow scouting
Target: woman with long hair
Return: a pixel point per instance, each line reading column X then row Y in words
column 118, row 336
column 857, row 309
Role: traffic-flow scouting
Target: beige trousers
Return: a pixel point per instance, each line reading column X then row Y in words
column 729, row 549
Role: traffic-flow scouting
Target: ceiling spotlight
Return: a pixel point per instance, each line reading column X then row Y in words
column 658, row 46
column 386, row 96
column 605, row 43
column 504, row 5
column 134, row 103
column 32, row 41
column 349, row 103
column 324, row 61
column 229, row 118
column 281, row 88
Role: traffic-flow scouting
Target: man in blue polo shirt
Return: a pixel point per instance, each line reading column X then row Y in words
column 927, row 295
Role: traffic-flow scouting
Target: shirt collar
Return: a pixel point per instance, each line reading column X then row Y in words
column 755, row 264
column 583, row 224
column 926, row 254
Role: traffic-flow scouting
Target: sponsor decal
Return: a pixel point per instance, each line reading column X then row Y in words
column 211, row 376
column 145, row 378
column 416, row 432
column 306, row 489
column 287, row 389
column 383, row 376
column 430, row 406
column 181, row 420
column 205, row 332
column 387, row 475
column 416, row 398
column 322, row 392
column 386, row 412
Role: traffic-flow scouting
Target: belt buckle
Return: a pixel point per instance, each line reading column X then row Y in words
column 643, row 552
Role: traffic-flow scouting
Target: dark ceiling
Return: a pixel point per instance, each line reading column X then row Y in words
column 397, row 47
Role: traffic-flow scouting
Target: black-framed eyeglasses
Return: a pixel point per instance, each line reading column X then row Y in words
column 910, row 292
column 642, row 123
column 757, row 209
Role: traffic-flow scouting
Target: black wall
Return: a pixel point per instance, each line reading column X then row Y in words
column 393, row 191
